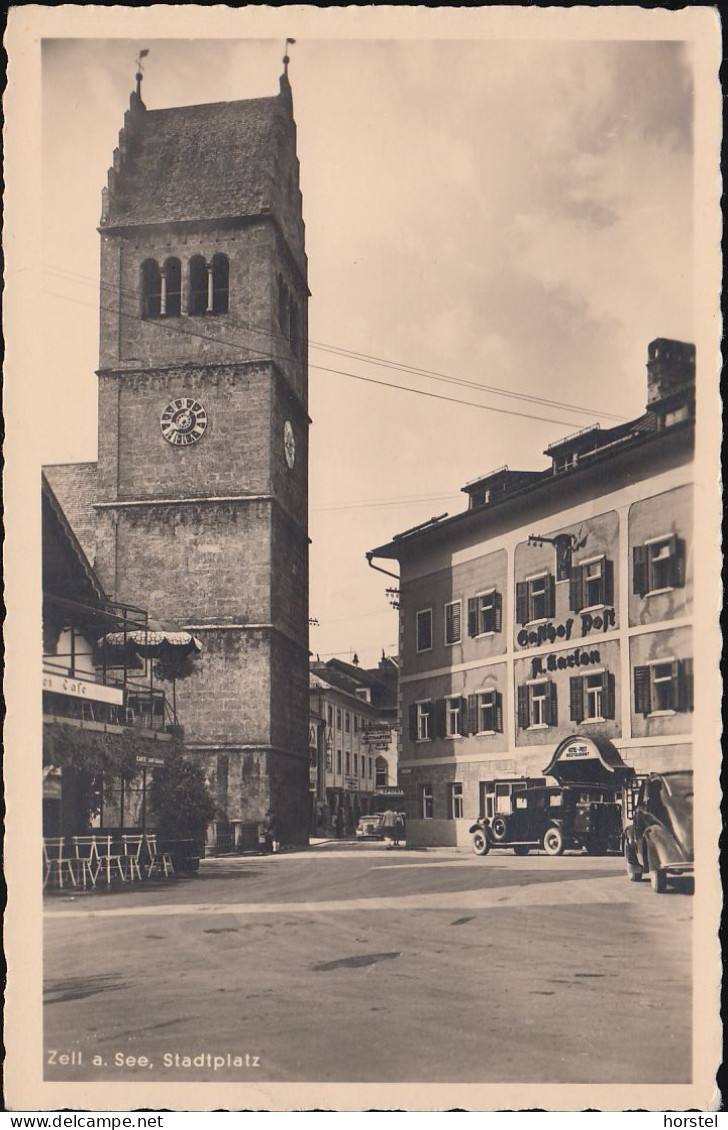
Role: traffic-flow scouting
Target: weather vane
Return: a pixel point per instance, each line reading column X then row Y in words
column 286, row 58
column 140, row 70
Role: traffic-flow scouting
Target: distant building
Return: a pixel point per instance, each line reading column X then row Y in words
column 560, row 602
column 353, row 717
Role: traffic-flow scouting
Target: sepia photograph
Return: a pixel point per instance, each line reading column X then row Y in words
column 363, row 431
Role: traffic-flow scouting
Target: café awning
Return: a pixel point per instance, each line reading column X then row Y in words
column 154, row 640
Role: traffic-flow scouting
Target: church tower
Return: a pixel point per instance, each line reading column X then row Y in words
column 203, row 429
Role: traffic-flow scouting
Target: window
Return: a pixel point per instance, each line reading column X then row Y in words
column 452, row 622
column 453, row 717
column 356, row 764
column 329, row 716
column 198, row 286
column 382, row 777
column 537, row 704
column 421, row 719
column 371, row 768
column 485, row 613
column 364, row 693
column 486, row 712
column 663, row 687
column 348, row 763
column 426, row 802
column 347, row 722
column 535, row 598
column 657, row 565
column 591, row 697
column 172, row 288
column 220, row 267
column 424, row 630
column 338, row 719
column 151, row 289
column 356, row 723
column 457, row 810
column 283, row 307
column 591, row 584
column 338, row 761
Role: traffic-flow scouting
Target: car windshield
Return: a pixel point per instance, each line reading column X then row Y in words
column 679, row 784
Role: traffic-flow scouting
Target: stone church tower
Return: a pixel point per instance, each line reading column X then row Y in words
column 203, row 429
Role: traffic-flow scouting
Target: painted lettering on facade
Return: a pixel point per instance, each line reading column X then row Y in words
column 549, row 633
column 544, row 663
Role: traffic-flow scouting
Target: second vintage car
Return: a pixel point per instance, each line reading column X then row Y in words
column 659, row 840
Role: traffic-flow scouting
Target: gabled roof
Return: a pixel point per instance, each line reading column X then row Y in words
column 67, row 570
column 74, row 487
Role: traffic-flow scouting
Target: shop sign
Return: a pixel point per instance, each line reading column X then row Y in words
column 377, row 736
column 556, row 662
column 549, row 633
column 143, row 759
column 82, row 688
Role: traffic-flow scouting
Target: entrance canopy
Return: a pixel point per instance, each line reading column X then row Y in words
column 579, row 759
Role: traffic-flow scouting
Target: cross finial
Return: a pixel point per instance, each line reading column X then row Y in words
column 286, row 58
column 140, row 70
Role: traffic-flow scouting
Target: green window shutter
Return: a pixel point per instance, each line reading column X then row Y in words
column 440, row 709
column 498, row 612
column 576, row 698
column 473, row 713
column 608, row 702
column 640, row 582
column 677, row 551
column 552, row 714
column 522, row 602
column 499, row 712
column 472, row 616
column 413, row 722
column 550, row 596
column 608, row 581
column 685, row 685
column 576, row 588
column 464, row 728
column 642, row 703
column 523, row 711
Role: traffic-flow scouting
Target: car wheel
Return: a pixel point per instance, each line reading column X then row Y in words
column 658, row 881
column 634, row 871
column 553, row 841
column 521, row 849
column 499, row 829
column 481, row 844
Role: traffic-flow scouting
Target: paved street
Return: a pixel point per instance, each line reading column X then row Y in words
column 351, row 963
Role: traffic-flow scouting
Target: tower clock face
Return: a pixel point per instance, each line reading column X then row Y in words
column 289, row 444
column 183, row 421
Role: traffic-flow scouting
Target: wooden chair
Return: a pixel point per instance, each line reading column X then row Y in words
column 110, row 860
column 132, row 846
column 86, row 859
column 160, row 861
column 55, row 863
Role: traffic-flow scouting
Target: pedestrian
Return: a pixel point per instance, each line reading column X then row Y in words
column 272, row 832
column 339, row 823
column 389, row 825
column 398, row 828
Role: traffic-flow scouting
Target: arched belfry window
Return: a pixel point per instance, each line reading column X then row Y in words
column 172, row 288
column 220, row 283
column 151, row 289
column 198, row 286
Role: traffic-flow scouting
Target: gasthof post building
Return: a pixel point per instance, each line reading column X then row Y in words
column 558, row 603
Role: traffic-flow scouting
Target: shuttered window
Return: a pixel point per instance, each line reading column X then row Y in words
column 591, row 584
column 537, row 704
column 456, row 806
column 424, row 630
column 450, row 716
column 452, row 622
column 485, row 711
column 663, row 687
column 658, row 565
column 536, row 598
column 485, row 613
column 424, row 713
column 591, row 697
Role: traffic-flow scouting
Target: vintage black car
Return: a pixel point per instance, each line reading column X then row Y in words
column 659, row 840
column 523, row 815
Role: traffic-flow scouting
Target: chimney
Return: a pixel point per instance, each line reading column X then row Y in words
column 670, row 366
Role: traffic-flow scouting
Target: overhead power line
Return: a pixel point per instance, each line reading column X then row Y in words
column 363, row 357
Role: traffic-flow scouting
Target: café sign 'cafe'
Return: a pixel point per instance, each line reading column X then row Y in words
column 82, row 688
column 548, row 633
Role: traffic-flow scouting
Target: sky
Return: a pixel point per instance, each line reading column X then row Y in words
column 504, row 213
